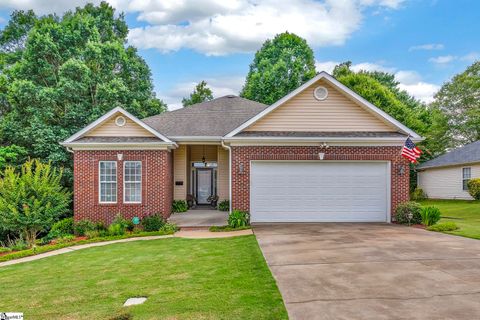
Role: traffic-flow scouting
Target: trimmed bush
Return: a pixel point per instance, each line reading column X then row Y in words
column 430, row 216
column 224, row 205
column 116, row 229
column 64, row 226
column 179, row 206
column 444, row 226
column 418, row 194
column 474, row 188
column 238, row 218
column 169, row 228
column 153, row 223
column 82, row 226
column 403, row 209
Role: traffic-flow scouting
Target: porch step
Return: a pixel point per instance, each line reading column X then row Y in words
column 194, row 228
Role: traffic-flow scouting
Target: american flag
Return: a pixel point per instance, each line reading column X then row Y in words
column 411, row 151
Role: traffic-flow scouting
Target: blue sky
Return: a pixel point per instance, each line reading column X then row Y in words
column 424, row 43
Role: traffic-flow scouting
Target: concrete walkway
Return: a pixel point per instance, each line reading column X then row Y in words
column 199, row 218
column 180, row 234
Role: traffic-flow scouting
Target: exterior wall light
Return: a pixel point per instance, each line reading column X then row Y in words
column 240, row 168
column 401, row 170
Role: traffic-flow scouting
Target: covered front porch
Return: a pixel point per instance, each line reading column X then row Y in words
column 200, row 175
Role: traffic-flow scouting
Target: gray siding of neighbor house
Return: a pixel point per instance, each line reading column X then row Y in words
column 446, row 182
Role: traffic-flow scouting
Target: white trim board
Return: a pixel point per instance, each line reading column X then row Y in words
column 106, row 116
column 357, row 98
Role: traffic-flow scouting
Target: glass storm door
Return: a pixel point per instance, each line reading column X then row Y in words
column 204, row 185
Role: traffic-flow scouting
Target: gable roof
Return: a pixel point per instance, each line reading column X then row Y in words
column 354, row 96
column 74, row 138
column 214, row 118
column 469, row 153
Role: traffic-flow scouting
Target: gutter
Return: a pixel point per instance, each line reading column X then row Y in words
column 229, row 174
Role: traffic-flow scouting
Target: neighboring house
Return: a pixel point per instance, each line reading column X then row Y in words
column 321, row 153
column 446, row 176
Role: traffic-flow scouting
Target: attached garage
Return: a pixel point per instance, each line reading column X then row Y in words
column 320, row 191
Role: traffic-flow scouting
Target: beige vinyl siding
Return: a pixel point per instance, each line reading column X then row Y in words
column 110, row 129
column 180, row 172
column 198, row 151
column 305, row 113
column 446, row 182
column 222, row 174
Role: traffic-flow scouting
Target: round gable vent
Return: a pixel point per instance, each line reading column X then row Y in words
column 120, row 121
column 320, row 93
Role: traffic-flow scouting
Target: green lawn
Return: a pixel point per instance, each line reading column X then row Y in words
column 466, row 214
column 182, row 278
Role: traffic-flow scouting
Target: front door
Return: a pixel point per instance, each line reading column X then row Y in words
column 204, row 185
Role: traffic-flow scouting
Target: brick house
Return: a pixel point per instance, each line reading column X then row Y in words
column 321, row 153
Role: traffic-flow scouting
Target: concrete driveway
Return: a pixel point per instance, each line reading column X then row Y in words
column 372, row 271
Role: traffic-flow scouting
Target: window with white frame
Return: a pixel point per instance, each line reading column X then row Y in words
column 132, row 181
column 466, row 176
column 108, row 181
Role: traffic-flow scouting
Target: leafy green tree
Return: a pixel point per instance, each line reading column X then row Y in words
column 12, row 156
column 72, row 70
column 201, row 93
column 459, row 100
column 32, row 201
column 279, row 67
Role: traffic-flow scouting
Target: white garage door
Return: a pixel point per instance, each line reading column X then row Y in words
column 319, row 191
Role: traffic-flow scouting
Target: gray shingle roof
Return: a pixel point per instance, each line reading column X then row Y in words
column 466, row 154
column 353, row 134
column 118, row 139
column 212, row 118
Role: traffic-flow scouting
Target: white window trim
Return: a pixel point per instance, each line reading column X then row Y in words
column 100, row 183
column 141, row 182
column 463, row 177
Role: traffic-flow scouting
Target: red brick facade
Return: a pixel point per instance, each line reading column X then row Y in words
column 241, row 156
column 157, row 184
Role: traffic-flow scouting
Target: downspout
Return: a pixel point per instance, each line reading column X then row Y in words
column 229, row 174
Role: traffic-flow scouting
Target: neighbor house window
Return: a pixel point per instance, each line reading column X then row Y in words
column 466, row 176
column 108, row 181
column 132, row 182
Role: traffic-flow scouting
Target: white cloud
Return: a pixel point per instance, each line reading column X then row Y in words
column 443, row 59
column 410, row 80
column 220, row 86
column 219, row 27
column 471, row 57
column 421, row 90
column 428, row 47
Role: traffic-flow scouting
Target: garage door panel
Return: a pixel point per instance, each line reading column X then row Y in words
column 318, row 191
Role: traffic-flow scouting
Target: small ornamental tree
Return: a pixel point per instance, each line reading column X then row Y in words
column 32, row 200
column 474, row 188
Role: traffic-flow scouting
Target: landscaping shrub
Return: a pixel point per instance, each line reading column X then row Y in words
column 403, row 209
column 224, row 205
column 474, row 188
column 63, row 227
column 116, row 229
column 17, row 244
column 430, row 216
column 238, row 218
column 444, row 226
column 169, row 228
column 5, row 249
column 418, row 194
column 93, row 234
column 65, row 239
column 32, row 199
column 153, row 223
column 179, row 206
column 82, row 226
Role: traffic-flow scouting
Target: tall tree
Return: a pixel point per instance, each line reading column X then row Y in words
column 459, row 99
column 279, row 67
column 72, row 70
column 201, row 93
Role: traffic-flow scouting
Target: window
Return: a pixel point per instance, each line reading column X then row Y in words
column 132, row 182
column 108, row 181
column 466, row 176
